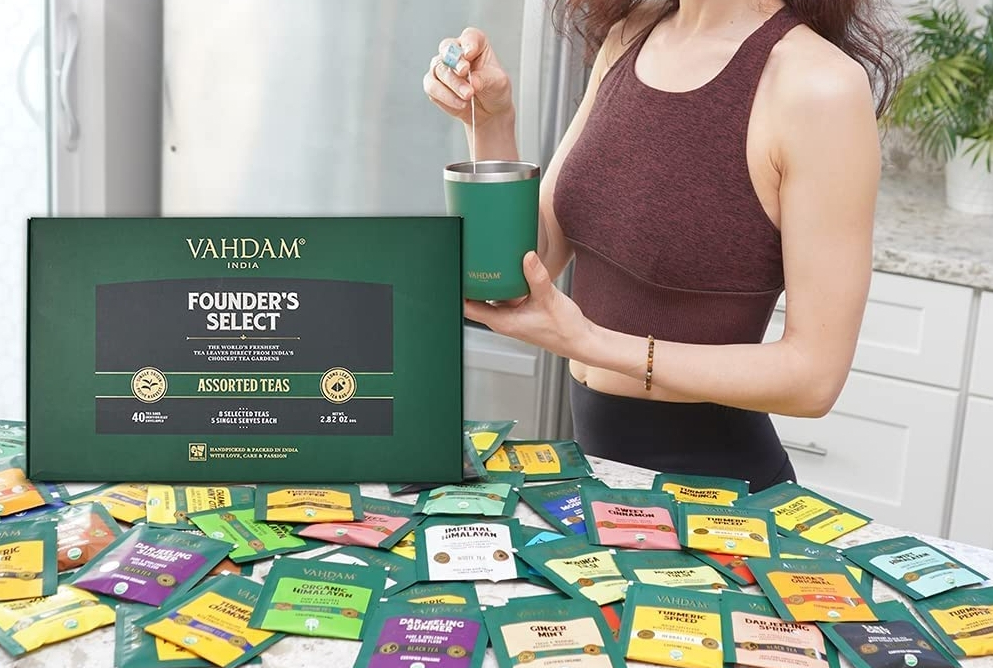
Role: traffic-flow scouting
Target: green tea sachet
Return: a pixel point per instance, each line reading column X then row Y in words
column 452, row 548
column 913, row 567
column 28, row 624
column 632, row 518
column 732, row 566
column 211, row 621
column 383, row 524
column 813, row 590
column 434, row 593
column 754, row 635
column 671, row 569
column 541, row 460
column 487, row 437
column 896, row 641
column 308, row 503
column 169, row 505
column 315, row 598
column 672, row 627
column 28, row 562
column 402, row 635
column 550, row 631
column 711, row 490
column 17, row 493
column 578, row 569
column 84, row 530
column 962, row 619
column 151, row 565
column 252, row 539
column 124, row 501
column 748, row 532
column 400, row 572
column 805, row 513
column 487, row 499
column 559, row 503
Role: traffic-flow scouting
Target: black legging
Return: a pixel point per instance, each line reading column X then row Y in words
column 672, row 437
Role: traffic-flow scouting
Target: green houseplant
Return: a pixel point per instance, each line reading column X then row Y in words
column 946, row 101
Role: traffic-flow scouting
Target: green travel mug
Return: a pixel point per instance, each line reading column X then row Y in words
column 498, row 202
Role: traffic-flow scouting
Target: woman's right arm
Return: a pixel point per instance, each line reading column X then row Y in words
column 450, row 90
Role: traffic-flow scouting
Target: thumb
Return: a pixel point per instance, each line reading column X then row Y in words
column 539, row 282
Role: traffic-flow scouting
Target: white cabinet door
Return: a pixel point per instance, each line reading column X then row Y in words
column 501, row 380
column 885, row 449
column 912, row 329
column 971, row 510
column 982, row 361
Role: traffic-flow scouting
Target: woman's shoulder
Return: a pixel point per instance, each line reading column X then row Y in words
column 624, row 33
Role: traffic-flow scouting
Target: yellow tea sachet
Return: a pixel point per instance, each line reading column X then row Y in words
column 805, row 513
column 169, row 506
column 701, row 489
column 308, row 503
column 541, row 460
column 671, row 626
column 813, row 590
column 746, row 532
column 17, row 493
column 124, row 501
column 962, row 619
column 28, row 624
column 29, row 565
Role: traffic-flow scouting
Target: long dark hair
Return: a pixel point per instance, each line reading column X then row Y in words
column 855, row 26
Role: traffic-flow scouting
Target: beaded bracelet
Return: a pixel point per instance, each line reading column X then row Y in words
column 648, row 369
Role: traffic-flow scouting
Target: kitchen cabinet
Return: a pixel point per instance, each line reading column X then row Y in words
column 888, row 446
column 981, row 378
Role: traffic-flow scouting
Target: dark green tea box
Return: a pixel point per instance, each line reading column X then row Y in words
column 245, row 349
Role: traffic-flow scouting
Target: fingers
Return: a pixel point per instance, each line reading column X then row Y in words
column 453, row 55
column 473, row 42
column 438, row 83
column 539, row 281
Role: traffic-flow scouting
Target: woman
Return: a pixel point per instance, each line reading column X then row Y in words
column 725, row 150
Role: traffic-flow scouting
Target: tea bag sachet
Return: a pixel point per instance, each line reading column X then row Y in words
column 541, row 460
column 17, row 493
column 211, row 621
column 896, row 641
column 308, row 503
column 793, row 547
column 124, row 501
column 746, row 532
column 913, row 567
column 464, row 549
column 150, row 565
column 671, row 569
column 315, row 598
column 612, row 614
column 401, row 635
column 400, row 572
column 251, row 539
column 487, row 499
column 58, row 494
column 170, row 505
column 31, row 623
column 805, row 513
column 962, row 619
column 732, row 566
column 133, row 648
column 813, row 590
column 406, row 547
column 578, row 569
column 28, row 563
column 549, row 631
column 559, row 503
column 754, row 635
column 383, row 524
column 631, row 518
column 486, row 437
column 434, row 593
column 535, row 536
column 672, row 627
column 84, row 530
column 701, row 489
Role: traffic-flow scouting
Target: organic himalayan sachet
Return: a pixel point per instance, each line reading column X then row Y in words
column 630, row 518
column 805, row 513
column 400, row 572
column 251, row 539
column 550, row 631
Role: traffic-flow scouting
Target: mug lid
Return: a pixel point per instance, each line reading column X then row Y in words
column 491, row 171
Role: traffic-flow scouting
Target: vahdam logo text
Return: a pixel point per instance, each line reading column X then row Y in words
column 245, row 252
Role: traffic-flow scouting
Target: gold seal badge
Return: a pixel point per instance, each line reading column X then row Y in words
column 338, row 385
column 148, row 385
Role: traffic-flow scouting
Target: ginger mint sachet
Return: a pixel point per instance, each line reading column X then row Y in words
column 748, row 532
column 701, row 489
column 805, row 513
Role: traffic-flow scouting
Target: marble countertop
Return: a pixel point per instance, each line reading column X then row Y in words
column 917, row 235
column 96, row 650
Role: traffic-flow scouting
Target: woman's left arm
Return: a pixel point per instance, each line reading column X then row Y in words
column 829, row 163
